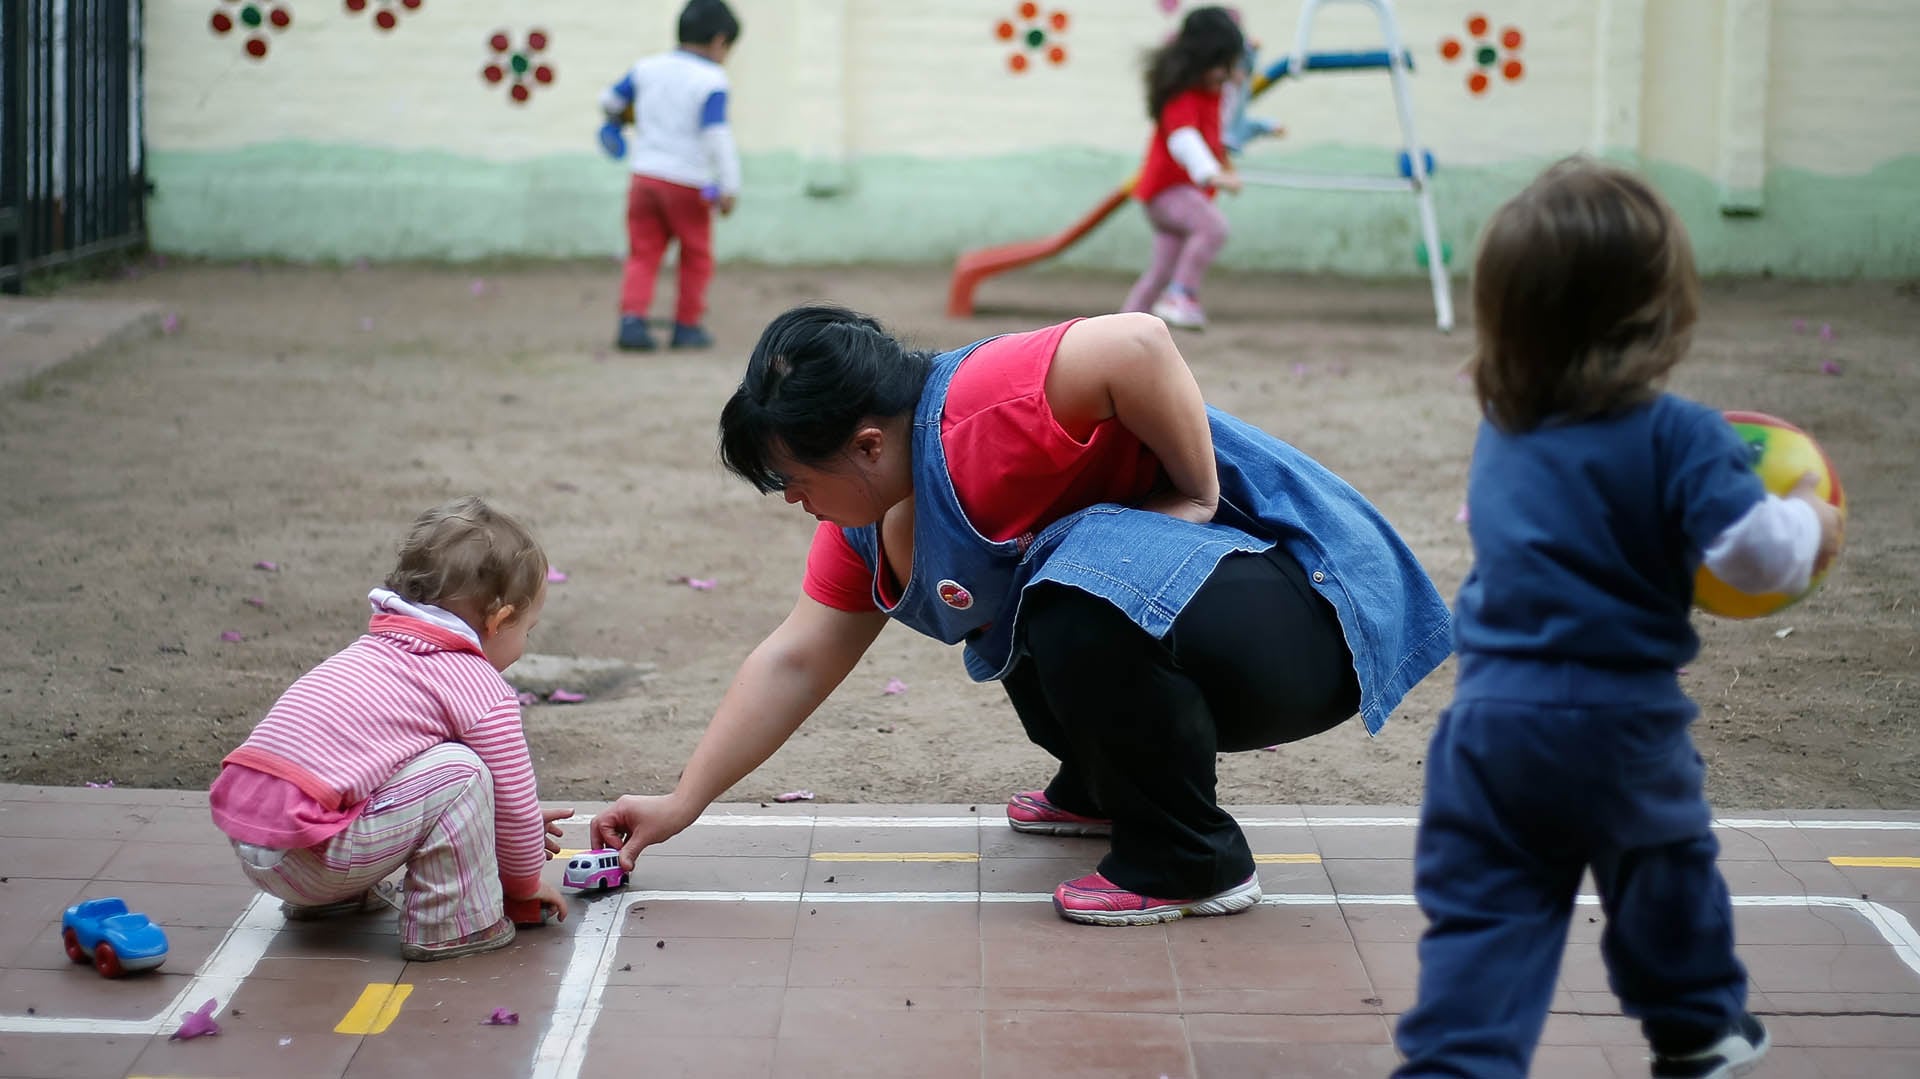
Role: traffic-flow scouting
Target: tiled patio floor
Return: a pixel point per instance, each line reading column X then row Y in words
column 890, row 941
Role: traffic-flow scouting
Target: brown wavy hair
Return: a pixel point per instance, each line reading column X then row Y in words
column 1209, row 37
column 1584, row 297
column 466, row 554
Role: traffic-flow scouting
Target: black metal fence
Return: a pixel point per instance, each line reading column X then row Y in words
column 71, row 183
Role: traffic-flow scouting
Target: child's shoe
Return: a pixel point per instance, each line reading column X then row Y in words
column 497, row 935
column 634, row 335
column 685, row 336
column 1029, row 811
column 1180, row 310
column 1095, row 900
column 1736, row 1053
column 383, row 896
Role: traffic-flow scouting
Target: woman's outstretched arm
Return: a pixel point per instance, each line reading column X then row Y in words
column 778, row 686
column 1127, row 367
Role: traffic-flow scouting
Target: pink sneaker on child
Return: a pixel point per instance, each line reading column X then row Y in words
column 1095, row 900
column 1029, row 811
column 1181, row 311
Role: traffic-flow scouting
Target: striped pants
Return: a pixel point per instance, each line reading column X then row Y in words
column 435, row 817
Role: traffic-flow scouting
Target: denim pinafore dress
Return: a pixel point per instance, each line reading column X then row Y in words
column 965, row 588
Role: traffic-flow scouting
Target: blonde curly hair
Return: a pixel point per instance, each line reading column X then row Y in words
column 465, row 553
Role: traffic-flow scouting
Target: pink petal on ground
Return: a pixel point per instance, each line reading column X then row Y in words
column 555, row 576
column 270, row 567
column 100, row 786
column 1460, row 515
column 526, row 697
column 699, row 584
column 366, row 325
column 895, row 687
column 197, row 1022
column 566, row 696
column 1799, row 325
column 170, row 324
column 1826, row 331
column 501, row 1017
column 1829, row 368
column 794, row 796
column 479, row 286
column 1299, row 370
column 232, row 636
column 255, row 602
column 1269, row 749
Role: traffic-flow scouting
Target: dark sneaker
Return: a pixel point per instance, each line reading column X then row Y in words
column 634, row 335
column 1029, row 811
column 685, row 336
column 1095, row 900
column 1736, row 1053
column 383, row 896
column 497, row 935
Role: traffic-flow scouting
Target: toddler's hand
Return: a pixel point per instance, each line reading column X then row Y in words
column 1228, row 180
column 553, row 817
column 550, row 899
column 1833, row 526
column 725, row 204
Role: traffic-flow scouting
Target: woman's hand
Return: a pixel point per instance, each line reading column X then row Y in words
column 1126, row 367
column 782, row 681
column 1175, row 504
column 637, row 821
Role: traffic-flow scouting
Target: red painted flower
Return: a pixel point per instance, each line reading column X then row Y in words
column 521, row 69
column 386, row 15
column 1035, row 35
column 254, row 19
column 1485, row 53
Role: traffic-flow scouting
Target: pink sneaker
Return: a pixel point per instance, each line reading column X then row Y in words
column 1181, row 311
column 1029, row 811
column 1095, row 900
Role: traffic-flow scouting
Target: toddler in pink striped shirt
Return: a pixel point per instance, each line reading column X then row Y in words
column 405, row 749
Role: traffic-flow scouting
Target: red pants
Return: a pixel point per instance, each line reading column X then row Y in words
column 658, row 212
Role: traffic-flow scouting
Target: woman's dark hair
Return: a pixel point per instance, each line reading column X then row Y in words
column 1584, row 297
column 703, row 20
column 1209, row 37
column 818, row 371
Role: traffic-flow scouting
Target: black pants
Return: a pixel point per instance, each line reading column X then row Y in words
column 1256, row 658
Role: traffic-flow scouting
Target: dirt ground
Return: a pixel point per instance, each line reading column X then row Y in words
column 303, row 415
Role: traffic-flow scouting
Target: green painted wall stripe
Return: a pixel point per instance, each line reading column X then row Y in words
column 316, row 203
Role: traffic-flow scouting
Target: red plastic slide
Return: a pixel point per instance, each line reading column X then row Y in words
column 973, row 267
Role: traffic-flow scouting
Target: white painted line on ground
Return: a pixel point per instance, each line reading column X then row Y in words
column 563, row 1049
column 232, row 960
column 997, row 819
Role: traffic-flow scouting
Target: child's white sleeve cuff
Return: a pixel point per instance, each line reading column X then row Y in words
column 718, row 141
column 1771, row 549
column 1190, row 149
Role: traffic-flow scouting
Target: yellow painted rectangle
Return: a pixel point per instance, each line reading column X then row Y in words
column 376, row 1009
column 902, row 856
column 1270, row 859
column 1879, row 863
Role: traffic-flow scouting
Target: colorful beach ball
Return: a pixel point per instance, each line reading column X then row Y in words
column 1782, row 453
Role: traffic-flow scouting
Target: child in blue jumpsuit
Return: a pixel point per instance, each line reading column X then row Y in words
column 1593, row 498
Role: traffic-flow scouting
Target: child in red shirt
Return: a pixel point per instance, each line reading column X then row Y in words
column 1186, row 164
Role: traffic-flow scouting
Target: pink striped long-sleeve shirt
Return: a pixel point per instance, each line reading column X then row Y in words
column 349, row 724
